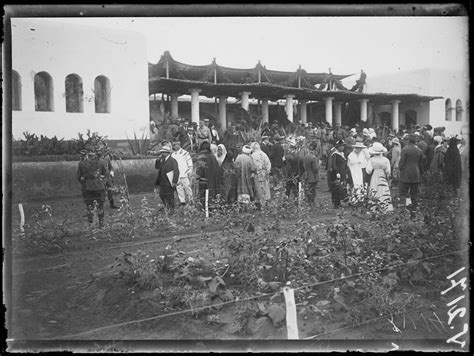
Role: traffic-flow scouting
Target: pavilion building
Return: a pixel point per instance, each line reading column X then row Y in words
column 299, row 89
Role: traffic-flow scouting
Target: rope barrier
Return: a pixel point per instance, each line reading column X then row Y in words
column 248, row 298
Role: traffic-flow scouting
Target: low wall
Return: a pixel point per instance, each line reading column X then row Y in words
column 43, row 181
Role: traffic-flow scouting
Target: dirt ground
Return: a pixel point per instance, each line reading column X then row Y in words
column 59, row 294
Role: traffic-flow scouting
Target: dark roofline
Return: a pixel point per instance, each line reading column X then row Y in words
column 272, row 92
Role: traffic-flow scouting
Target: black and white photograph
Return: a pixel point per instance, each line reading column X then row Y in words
column 236, row 178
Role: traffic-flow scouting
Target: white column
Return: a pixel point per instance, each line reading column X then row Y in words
column 329, row 110
column 363, row 109
column 223, row 112
column 289, row 107
column 174, row 105
column 265, row 110
column 245, row 100
column 395, row 115
column 337, row 113
column 303, row 112
column 195, row 105
column 370, row 111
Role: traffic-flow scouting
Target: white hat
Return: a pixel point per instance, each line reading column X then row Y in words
column 246, row 149
column 377, row 148
column 165, row 148
column 359, row 144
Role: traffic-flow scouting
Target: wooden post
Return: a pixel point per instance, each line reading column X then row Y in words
column 300, row 194
column 291, row 320
column 207, row 203
column 22, row 217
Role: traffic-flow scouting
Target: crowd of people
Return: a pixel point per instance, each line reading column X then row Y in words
column 236, row 168
column 202, row 162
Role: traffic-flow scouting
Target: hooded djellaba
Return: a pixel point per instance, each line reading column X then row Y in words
column 262, row 178
column 246, row 171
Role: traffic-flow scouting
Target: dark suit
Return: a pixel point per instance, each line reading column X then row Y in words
column 311, row 175
column 165, row 166
column 411, row 169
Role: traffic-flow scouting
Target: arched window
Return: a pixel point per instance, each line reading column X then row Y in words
column 410, row 118
column 102, row 94
column 459, row 110
column 43, row 92
column 74, row 93
column 449, row 110
column 16, row 91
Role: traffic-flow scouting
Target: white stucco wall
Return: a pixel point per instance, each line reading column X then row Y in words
column 63, row 49
column 432, row 82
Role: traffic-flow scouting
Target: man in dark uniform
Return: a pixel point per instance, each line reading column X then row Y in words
column 266, row 145
column 106, row 158
column 411, row 170
column 168, row 175
column 92, row 174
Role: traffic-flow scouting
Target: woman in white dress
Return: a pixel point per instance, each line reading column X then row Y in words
column 379, row 167
column 357, row 163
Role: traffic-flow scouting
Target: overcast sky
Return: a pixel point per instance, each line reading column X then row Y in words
column 379, row 45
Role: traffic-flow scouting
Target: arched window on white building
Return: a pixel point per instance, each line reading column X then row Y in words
column 74, row 93
column 459, row 110
column 16, row 91
column 449, row 110
column 43, row 92
column 102, row 90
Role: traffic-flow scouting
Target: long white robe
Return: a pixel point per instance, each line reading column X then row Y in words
column 356, row 162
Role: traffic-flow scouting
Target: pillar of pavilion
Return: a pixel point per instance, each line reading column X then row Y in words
column 363, row 109
column 265, row 110
column 223, row 112
column 195, row 105
column 174, row 105
column 289, row 107
column 337, row 113
column 395, row 115
column 329, row 110
column 303, row 112
column 244, row 100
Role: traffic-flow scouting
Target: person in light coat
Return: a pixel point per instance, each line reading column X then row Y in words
column 185, row 166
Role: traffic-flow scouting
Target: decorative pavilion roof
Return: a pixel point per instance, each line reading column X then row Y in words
column 170, row 76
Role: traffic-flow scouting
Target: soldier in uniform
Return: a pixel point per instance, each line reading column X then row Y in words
column 92, row 174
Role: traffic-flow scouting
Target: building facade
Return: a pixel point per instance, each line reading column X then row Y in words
column 68, row 79
column 452, row 111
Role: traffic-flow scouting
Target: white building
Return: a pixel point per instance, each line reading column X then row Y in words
column 69, row 78
column 451, row 112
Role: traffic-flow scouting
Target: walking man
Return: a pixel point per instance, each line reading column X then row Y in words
column 92, row 174
column 311, row 173
column 168, row 175
column 411, row 161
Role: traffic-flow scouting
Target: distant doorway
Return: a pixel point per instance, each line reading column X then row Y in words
column 385, row 119
column 410, row 118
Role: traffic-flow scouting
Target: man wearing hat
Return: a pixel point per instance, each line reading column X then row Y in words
column 168, row 176
column 92, row 174
column 265, row 146
column 411, row 166
column 203, row 133
column 276, row 158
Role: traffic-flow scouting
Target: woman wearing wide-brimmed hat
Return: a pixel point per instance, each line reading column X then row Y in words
column 357, row 163
column 379, row 167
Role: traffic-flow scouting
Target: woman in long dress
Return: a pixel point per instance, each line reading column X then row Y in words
column 379, row 167
column 262, row 178
column 357, row 163
column 228, row 174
